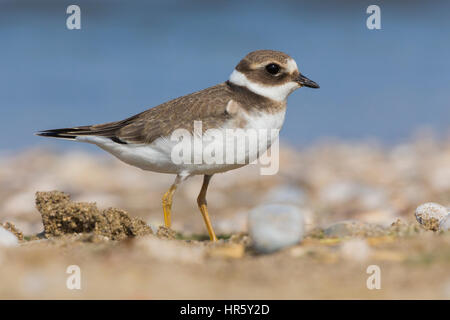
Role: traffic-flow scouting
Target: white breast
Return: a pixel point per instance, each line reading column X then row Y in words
column 157, row 156
column 271, row 123
column 264, row 120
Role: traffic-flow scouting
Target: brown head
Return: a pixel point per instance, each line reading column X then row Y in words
column 269, row 73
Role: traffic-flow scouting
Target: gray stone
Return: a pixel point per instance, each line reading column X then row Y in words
column 275, row 226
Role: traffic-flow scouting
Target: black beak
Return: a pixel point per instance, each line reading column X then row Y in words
column 305, row 82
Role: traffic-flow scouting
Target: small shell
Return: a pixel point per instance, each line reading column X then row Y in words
column 430, row 215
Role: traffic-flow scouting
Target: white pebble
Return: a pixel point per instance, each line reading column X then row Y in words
column 275, row 226
column 7, row 238
column 427, row 212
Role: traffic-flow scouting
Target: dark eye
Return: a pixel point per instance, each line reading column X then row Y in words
column 273, row 68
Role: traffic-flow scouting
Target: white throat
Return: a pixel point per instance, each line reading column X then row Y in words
column 277, row 93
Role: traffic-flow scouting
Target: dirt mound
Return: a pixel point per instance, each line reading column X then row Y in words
column 61, row 216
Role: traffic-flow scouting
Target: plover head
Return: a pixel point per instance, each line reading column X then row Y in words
column 272, row 74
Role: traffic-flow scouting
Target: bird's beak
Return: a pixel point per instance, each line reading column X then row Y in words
column 305, row 82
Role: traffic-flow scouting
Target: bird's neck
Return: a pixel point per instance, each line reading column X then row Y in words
column 253, row 101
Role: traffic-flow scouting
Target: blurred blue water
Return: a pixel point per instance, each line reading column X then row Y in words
column 133, row 55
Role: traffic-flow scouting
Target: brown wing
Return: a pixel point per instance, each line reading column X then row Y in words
column 208, row 105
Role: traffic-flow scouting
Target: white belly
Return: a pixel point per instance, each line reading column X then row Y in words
column 204, row 158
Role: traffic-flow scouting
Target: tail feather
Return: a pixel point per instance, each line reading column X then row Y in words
column 109, row 130
column 73, row 133
column 65, row 133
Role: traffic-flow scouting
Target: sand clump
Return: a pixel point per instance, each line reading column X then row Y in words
column 13, row 229
column 166, row 233
column 61, row 216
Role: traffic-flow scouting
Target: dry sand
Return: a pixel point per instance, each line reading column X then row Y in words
column 366, row 193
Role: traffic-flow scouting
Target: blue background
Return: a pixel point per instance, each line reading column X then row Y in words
column 133, row 55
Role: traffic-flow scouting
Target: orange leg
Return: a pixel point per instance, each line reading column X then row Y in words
column 167, row 205
column 167, row 199
column 201, row 200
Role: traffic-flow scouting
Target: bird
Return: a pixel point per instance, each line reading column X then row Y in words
column 253, row 98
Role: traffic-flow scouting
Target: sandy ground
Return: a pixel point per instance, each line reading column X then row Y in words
column 370, row 190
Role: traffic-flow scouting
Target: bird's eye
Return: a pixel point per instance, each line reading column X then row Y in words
column 273, row 68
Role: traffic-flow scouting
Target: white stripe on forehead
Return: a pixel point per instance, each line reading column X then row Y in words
column 291, row 65
column 277, row 93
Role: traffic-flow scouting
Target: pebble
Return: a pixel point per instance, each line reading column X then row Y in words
column 430, row 215
column 275, row 226
column 7, row 238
